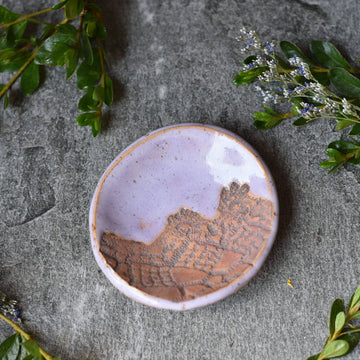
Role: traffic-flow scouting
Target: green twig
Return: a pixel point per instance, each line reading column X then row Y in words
column 19, row 330
column 26, row 17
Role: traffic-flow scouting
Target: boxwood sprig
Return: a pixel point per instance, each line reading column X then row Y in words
column 344, row 336
column 326, row 87
column 76, row 43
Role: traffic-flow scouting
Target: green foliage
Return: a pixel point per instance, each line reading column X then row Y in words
column 78, row 47
column 304, row 82
column 73, row 8
column 30, row 79
column 344, row 82
column 327, row 55
column 290, row 50
column 339, row 153
column 16, row 347
column 246, row 77
column 336, row 308
column 344, row 337
column 335, row 349
column 265, row 120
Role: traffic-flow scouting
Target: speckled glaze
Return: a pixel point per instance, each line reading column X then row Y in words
column 179, row 167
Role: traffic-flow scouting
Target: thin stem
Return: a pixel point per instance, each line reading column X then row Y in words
column 16, row 327
column 37, row 21
column 25, row 17
column 286, row 116
column 19, row 330
column 350, row 332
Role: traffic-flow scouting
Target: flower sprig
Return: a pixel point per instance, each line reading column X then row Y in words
column 79, row 48
column 344, row 336
column 326, row 88
column 19, row 345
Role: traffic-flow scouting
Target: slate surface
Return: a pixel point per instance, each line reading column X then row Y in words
column 172, row 62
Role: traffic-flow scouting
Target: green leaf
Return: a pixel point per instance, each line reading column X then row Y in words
column 12, row 34
column 263, row 116
column 73, row 8
column 60, row 5
column 327, row 55
column 89, row 75
column 321, row 77
column 96, row 127
column 343, row 146
column 47, row 31
column 335, row 349
column 99, row 93
column 7, row 16
column 6, row 100
column 265, row 120
column 249, row 59
column 246, row 77
column 10, row 348
column 335, row 154
column 67, row 29
column 356, row 297
column 87, row 103
column 87, row 119
column 336, row 167
column 328, row 163
column 300, row 122
column 355, row 159
column 89, row 17
column 271, row 111
column 86, row 48
column 91, row 29
column 33, row 348
column 109, row 94
column 336, row 308
column 340, row 321
column 356, row 315
column 15, row 62
column 355, row 130
column 30, row 79
column 54, row 49
column 342, row 124
column 71, row 58
column 60, row 41
column 344, row 82
column 289, row 49
column 282, row 63
column 101, row 32
column 314, row 357
column 352, row 340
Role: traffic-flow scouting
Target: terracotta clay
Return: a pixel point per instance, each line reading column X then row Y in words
column 195, row 256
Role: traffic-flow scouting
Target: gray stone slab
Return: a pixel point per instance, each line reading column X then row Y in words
column 173, row 62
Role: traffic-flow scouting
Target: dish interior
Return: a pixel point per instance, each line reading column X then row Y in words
column 184, row 212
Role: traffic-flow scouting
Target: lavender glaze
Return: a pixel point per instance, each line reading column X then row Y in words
column 183, row 166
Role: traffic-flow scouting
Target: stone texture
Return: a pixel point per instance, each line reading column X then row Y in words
column 172, row 62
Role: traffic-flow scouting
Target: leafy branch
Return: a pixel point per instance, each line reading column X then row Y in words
column 19, row 346
column 344, row 336
column 322, row 88
column 79, row 48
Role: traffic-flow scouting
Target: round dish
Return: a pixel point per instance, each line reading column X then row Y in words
column 183, row 217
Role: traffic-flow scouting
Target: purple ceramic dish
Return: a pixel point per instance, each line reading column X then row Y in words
column 183, row 217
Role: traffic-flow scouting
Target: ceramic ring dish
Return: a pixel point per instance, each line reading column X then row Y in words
column 183, row 217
